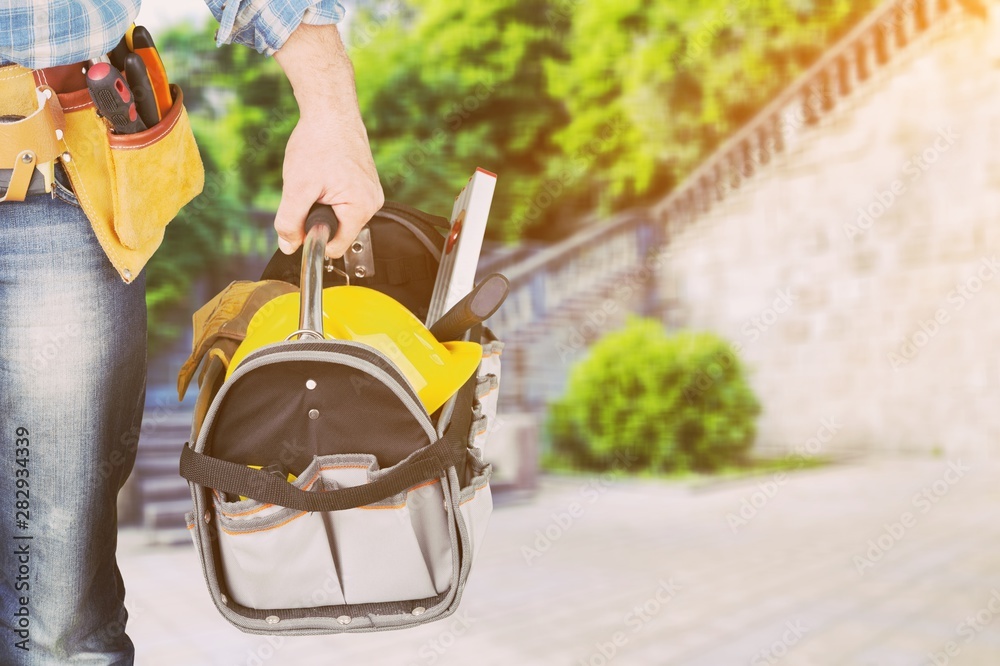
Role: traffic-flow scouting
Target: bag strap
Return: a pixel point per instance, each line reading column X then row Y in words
column 429, row 463
column 411, row 212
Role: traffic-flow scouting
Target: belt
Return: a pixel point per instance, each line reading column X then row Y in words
column 36, row 186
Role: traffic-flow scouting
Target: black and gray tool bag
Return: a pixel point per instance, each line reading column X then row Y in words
column 379, row 528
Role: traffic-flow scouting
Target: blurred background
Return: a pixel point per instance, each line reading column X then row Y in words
column 748, row 410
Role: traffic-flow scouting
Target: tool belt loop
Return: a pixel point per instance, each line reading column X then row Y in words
column 35, row 142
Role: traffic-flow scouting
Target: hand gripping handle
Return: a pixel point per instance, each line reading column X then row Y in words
column 321, row 226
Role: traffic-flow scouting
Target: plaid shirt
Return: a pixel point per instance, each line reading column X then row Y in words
column 44, row 33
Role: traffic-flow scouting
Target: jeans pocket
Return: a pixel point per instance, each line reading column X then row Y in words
column 396, row 549
column 64, row 194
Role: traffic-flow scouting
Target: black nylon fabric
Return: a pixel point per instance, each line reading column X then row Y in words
column 269, row 416
column 429, row 463
column 242, row 480
column 355, row 349
column 404, row 268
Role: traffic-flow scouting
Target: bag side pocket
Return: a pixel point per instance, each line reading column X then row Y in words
column 475, row 500
column 487, row 394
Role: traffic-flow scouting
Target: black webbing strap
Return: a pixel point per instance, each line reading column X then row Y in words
column 428, row 464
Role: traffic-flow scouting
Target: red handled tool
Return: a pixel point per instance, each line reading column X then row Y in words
column 113, row 98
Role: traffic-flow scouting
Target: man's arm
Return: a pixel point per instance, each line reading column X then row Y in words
column 328, row 158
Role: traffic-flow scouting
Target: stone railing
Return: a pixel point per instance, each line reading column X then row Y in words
column 844, row 67
column 564, row 282
column 557, row 275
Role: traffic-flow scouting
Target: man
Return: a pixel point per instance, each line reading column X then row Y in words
column 73, row 332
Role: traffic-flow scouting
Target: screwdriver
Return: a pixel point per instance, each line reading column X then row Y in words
column 113, row 98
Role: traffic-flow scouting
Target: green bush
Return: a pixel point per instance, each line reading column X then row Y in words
column 644, row 400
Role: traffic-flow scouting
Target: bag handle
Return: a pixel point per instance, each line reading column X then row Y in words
column 428, row 464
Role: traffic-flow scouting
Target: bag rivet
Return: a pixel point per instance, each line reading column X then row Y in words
column 127, row 274
column 344, row 619
column 66, row 157
column 314, row 414
column 272, row 619
column 360, row 272
column 310, row 384
column 357, row 248
column 419, row 610
column 28, row 158
column 208, row 516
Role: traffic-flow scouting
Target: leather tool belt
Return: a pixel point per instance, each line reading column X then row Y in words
column 29, row 147
column 129, row 185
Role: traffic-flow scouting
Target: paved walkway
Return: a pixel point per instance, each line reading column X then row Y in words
column 882, row 563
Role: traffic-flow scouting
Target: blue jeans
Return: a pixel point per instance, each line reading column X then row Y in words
column 72, row 384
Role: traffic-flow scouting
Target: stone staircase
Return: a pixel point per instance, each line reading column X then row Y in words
column 164, row 494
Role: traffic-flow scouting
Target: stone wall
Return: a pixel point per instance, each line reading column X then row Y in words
column 858, row 270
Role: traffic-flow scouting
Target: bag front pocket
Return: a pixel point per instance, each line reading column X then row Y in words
column 154, row 173
column 394, row 550
column 275, row 557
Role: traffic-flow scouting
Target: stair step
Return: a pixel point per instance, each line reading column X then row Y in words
column 164, row 488
column 170, row 514
column 166, row 445
column 148, row 466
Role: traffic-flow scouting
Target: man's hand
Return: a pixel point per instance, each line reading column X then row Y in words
column 328, row 158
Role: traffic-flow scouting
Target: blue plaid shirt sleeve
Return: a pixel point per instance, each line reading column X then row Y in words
column 45, row 33
column 265, row 25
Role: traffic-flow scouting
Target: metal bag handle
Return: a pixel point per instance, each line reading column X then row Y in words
column 321, row 226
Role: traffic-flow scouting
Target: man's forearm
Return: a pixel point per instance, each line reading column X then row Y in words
column 317, row 66
column 328, row 158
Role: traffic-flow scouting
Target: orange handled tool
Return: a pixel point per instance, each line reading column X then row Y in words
column 142, row 45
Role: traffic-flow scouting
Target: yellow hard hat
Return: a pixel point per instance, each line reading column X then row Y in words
column 435, row 369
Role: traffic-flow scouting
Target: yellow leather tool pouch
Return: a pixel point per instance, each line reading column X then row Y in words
column 130, row 185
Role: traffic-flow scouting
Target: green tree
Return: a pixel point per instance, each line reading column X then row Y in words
column 192, row 242
column 665, row 83
column 446, row 86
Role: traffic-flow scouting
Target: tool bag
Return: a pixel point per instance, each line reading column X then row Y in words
column 369, row 511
